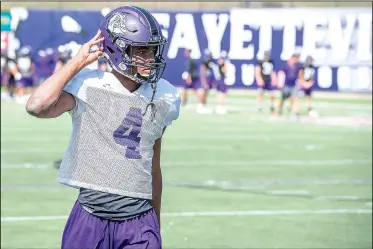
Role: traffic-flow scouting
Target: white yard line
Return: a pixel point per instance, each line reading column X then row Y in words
column 215, row 137
column 197, row 129
column 236, row 149
column 288, row 192
column 338, row 197
column 241, row 185
column 332, row 162
column 213, row 213
column 337, row 162
column 261, row 183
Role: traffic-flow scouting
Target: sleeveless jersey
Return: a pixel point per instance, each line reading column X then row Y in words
column 111, row 145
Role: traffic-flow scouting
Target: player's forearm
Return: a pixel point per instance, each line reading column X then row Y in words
column 273, row 78
column 258, row 75
column 157, row 193
column 47, row 94
column 281, row 79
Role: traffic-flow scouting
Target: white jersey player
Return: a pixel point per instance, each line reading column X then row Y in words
column 113, row 156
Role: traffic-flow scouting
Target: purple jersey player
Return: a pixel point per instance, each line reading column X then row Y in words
column 289, row 76
column 45, row 64
column 118, row 119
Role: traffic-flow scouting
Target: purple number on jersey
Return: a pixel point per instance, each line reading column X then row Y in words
column 127, row 134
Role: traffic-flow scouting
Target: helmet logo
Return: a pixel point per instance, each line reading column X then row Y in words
column 120, row 43
column 117, row 24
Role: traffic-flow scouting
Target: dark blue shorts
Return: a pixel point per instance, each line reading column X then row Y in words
column 194, row 85
column 267, row 87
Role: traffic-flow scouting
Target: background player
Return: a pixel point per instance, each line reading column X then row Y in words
column 45, row 63
column 288, row 83
column 307, row 74
column 265, row 77
column 209, row 73
column 26, row 69
column 221, row 87
column 118, row 172
column 191, row 78
column 8, row 72
column 64, row 55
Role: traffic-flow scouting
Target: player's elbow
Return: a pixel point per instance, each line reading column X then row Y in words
column 33, row 109
column 36, row 106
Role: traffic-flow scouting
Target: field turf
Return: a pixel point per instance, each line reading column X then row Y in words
column 243, row 180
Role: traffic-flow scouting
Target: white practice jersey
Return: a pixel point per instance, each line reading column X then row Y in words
column 111, row 145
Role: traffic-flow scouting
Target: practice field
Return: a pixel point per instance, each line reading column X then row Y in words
column 243, row 180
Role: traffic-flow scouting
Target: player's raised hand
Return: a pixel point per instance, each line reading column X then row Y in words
column 91, row 50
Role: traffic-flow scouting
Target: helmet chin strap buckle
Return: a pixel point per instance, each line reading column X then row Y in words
column 145, row 79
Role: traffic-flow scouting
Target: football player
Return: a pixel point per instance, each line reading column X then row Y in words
column 288, row 84
column 191, row 78
column 64, row 55
column 209, row 72
column 118, row 118
column 265, row 77
column 26, row 70
column 8, row 72
column 307, row 74
column 45, row 64
column 221, row 86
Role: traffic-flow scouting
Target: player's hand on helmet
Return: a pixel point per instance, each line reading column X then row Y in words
column 91, row 50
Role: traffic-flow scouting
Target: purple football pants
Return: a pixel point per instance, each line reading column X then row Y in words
column 86, row 231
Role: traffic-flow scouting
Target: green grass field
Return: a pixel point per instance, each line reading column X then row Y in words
column 243, row 180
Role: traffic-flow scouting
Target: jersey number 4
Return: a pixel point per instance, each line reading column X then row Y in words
column 128, row 133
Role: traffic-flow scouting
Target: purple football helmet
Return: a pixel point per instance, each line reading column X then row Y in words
column 125, row 28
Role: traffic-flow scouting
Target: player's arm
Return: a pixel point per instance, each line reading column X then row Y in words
column 189, row 70
column 224, row 68
column 302, row 82
column 172, row 115
column 13, row 70
column 203, row 74
column 301, row 74
column 49, row 100
column 258, row 75
column 281, row 78
column 157, row 184
column 274, row 78
column 33, row 67
column 307, row 83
